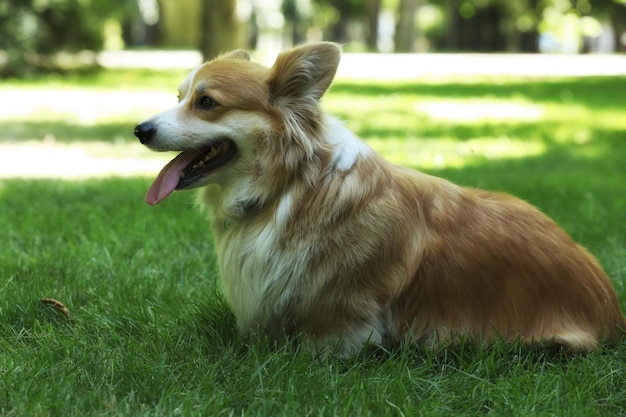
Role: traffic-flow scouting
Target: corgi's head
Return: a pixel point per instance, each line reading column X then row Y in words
column 242, row 125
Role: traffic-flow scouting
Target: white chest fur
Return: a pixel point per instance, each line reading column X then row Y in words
column 259, row 275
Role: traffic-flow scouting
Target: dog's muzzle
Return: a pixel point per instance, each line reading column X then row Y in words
column 145, row 132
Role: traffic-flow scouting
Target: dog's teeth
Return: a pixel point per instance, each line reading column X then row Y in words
column 198, row 165
column 211, row 154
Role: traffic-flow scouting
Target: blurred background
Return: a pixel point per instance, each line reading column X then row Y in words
column 77, row 75
column 38, row 35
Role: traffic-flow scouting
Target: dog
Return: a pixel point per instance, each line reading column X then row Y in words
column 321, row 241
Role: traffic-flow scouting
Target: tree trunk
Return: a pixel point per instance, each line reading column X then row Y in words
column 453, row 26
column 219, row 27
column 339, row 30
column 405, row 28
column 618, row 32
column 294, row 24
column 373, row 10
column 529, row 40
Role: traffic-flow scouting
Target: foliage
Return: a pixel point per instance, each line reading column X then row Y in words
column 33, row 31
column 219, row 27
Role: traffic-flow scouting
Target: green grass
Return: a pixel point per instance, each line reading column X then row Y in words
column 150, row 333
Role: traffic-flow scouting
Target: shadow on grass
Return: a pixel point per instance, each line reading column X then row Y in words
column 64, row 132
column 592, row 92
column 500, row 355
column 144, row 78
column 589, row 91
column 374, row 126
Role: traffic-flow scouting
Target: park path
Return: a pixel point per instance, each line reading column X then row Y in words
column 408, row 66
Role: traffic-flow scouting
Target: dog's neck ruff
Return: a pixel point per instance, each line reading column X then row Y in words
column 347, row 146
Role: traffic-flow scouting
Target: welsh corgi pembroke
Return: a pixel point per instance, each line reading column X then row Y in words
column 321, row 241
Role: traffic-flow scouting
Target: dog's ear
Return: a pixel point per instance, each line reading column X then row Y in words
column 303, row 72
column 236, row 54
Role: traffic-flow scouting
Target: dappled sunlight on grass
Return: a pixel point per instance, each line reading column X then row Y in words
column 450, row 153
column 75, row 160
column 79, row 133
column 81, row 129
column 398, row 130
column 82, row 107
column 478, row 110
column 438, row 125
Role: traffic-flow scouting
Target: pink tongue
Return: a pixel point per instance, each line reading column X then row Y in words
column 167, row 180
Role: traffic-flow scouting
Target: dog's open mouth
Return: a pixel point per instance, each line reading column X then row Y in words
column 188, row 168
column 209, row 159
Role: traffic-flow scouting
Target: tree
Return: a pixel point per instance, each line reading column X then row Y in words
column 219, row 27
column 339, row 30
column 294, row 20
column 372, row 10
column 613, row 11
column 492, row 25
column 33, row 32
column 344, row 11
column 453, row 24
column 405, row 34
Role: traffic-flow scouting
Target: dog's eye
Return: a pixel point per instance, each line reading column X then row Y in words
column 206, row 103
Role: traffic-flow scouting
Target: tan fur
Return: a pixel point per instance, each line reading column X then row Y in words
column 321, row 239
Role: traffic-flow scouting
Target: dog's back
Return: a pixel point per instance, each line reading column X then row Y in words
column 494, row 266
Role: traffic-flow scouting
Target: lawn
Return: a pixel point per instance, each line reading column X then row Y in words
column 150, row 334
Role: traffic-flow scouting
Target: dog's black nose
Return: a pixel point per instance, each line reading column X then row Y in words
column 145, row 132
